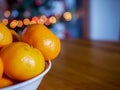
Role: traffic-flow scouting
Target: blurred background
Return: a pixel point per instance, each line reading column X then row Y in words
column 81, row 19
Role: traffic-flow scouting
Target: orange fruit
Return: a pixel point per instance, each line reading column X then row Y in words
column 5, row 81
column 40, row 37
column 5, row 35
column 15, row 36
column 22, row 62
column 1, row 68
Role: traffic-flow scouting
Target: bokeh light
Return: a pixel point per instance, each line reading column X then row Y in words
column 20, row 23
column 42, row 19
column 35, row 19
column 15, row 13
column 7, row 13
column 47, row 22
column 67, row 16
column 26, row 21
column 13, row 24
column 52, row 19
column 5, row 21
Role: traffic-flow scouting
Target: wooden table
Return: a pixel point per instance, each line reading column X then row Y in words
column 85, row 65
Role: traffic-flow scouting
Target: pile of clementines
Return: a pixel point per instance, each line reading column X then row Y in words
column 23, row 57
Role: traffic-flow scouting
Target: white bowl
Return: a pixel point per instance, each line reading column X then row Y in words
column 31, row 84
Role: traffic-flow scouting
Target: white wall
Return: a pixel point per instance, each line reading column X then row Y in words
column 104, row 19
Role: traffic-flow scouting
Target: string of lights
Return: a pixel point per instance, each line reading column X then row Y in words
column 43, row 19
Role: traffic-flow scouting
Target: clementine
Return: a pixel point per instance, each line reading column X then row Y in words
column 15, row 36
column 40, row 37
column 22, row 62
column 5, row 35
column 1, row 68
column 5, row 81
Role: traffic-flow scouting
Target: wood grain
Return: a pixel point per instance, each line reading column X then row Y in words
column 85, row 65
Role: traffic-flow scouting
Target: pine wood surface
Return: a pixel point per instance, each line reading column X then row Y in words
column 85, row 65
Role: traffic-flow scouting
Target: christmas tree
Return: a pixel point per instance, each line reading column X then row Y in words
column 24, row 8
column 59, row 15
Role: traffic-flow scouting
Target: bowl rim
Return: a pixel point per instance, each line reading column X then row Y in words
column 48, row 66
